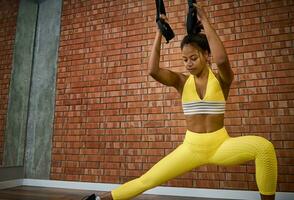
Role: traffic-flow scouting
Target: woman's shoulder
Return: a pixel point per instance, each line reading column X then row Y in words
column 225, row 87
column 182, row 80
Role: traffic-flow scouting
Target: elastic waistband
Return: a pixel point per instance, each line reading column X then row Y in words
column 211, row 138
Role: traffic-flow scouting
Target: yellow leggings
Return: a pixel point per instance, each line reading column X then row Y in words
column 208, row 148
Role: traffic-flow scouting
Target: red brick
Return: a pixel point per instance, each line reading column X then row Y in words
column 107, row 59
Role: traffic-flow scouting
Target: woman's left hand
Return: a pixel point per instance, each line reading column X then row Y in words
column 200, row 12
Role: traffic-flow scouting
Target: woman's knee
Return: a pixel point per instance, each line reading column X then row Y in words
column 266, row 168
column 265, row 146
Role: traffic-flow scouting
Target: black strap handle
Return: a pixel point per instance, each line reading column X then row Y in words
column 160, row 9
column 194, row 26
column 190, row 3
column 164, row 27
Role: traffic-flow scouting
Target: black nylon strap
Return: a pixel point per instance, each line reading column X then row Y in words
column 193, row 24
column 190, row 3
column 164, row 27
column 91, row 197
column 160, row 8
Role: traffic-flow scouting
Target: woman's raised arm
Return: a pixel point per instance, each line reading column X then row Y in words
column 217, row 48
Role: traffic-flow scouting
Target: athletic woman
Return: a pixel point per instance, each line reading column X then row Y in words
column 204, row 94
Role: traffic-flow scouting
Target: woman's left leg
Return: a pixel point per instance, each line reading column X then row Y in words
column 180, row 161
column 239, row 150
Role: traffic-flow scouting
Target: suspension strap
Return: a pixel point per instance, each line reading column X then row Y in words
column 194, row 26
column 164, row 27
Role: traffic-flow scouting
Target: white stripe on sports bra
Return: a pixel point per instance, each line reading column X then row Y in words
column 204, row 107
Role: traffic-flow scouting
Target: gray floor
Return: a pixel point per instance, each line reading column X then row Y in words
column 157, row 197
column 43, row 193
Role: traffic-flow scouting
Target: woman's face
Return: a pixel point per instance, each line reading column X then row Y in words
column 194, row 59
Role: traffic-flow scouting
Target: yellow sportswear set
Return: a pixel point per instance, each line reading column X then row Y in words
column 216, row 148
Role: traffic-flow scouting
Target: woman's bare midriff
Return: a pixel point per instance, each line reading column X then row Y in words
column 205, row 123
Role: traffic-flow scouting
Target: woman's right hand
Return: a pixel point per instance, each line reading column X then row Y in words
column 163, row 17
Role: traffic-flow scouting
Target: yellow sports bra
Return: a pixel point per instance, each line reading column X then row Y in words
column 212, row 103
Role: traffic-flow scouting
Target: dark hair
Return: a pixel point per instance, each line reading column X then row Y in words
column 198, row 40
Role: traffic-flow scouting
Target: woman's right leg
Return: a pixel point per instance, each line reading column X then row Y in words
column 179, row 161
column 238, row 150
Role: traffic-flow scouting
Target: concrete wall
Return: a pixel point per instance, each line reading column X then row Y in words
column 15, row 132
column 32, row 90
column 8, row 13
column 42, row 94
column 9, row 173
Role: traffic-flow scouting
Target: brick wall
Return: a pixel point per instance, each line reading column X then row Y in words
column 113, row 121
column 8, row 15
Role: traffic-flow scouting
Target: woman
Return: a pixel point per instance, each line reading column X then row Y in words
column 203, row 98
